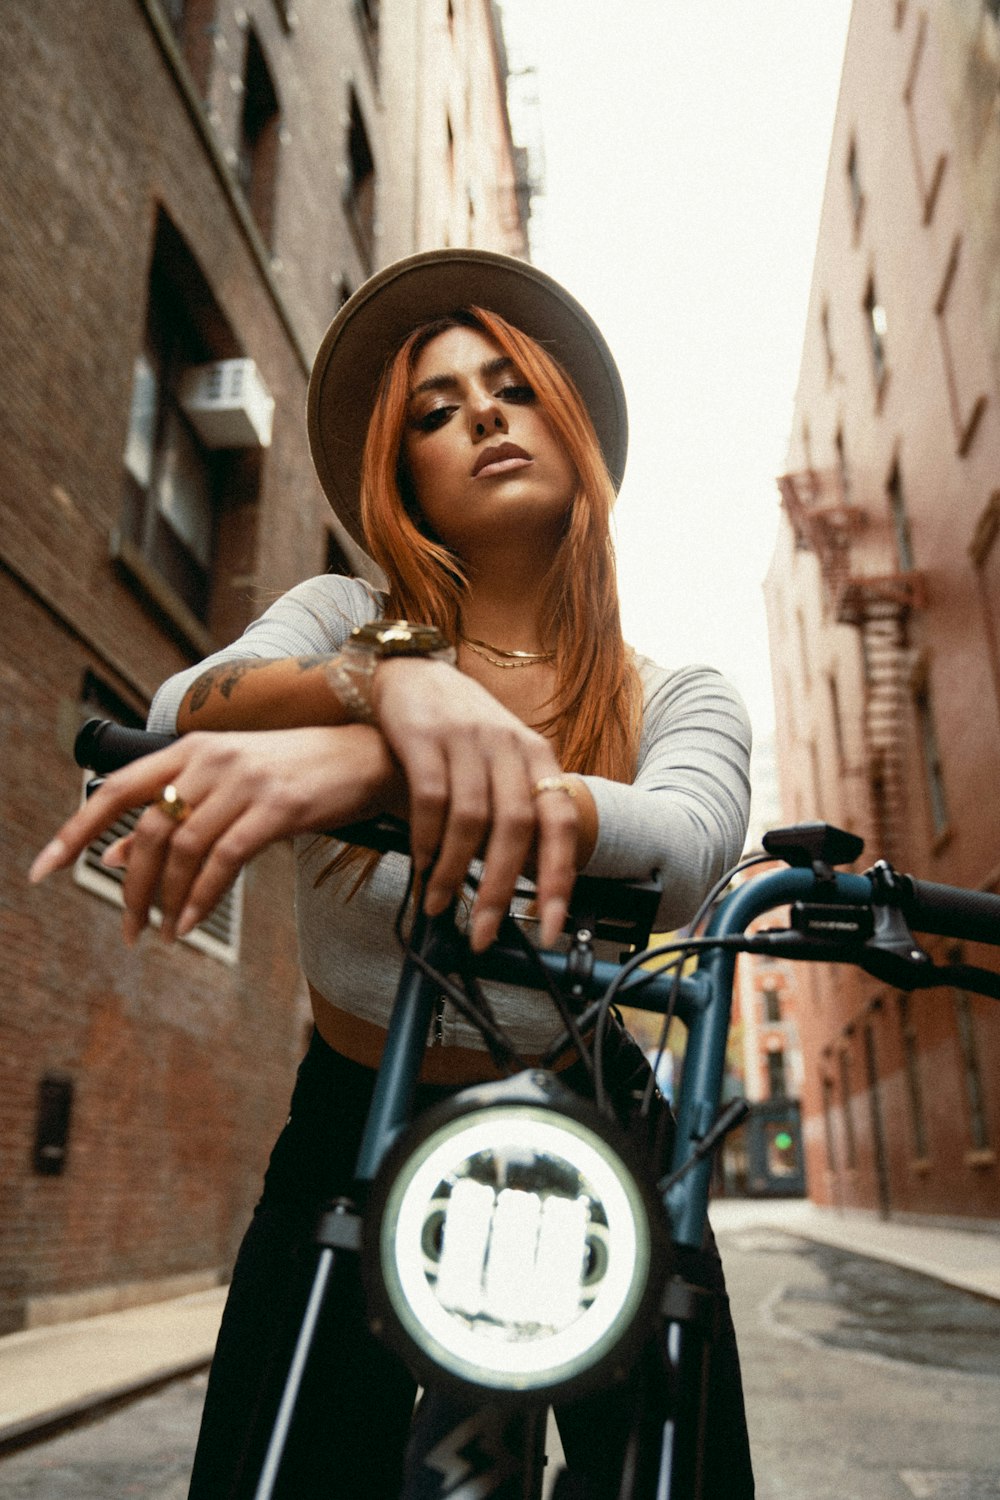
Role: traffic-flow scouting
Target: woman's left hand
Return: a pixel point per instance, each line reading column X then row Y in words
column 241, row 791
column 476, row 785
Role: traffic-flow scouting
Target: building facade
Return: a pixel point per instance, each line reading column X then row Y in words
column 188, row 191
column 884, row 592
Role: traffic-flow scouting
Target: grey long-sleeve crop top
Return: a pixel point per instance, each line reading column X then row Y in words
column 684, row 816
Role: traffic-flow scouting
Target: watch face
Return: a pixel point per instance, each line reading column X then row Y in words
column 400, row 638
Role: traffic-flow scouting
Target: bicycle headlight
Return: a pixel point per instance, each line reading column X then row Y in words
column 510, row 1244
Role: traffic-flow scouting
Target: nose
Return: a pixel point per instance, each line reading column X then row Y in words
column 487, row 418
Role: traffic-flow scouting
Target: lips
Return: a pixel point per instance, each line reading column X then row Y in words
column 502, row 454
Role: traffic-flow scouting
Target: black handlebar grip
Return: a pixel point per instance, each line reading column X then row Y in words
column 104, row 746
column 950, row 912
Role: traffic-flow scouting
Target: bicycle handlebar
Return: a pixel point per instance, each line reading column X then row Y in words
column 103, row 746
column 947, row 910
column 618, row 911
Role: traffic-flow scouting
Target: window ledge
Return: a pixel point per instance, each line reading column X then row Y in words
column 971, row 426
column 160, row 598
column 881, row 385
column 921, row 1166
column 942, row 839
column 982, row 1158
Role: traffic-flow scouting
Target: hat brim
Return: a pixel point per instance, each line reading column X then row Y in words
column 375, row 321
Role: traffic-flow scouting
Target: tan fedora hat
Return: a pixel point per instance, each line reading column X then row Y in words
column 372, row 324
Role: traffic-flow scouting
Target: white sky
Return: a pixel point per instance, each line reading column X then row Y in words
column 685, row 152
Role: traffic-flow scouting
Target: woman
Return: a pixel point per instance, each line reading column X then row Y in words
column 467, row 422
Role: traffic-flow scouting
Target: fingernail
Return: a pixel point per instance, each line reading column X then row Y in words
column 114, row 857
column 131, row 928
column 553, row 920
column 188, row 919
column 167, row 929
column 485, row 923
column 51, row 857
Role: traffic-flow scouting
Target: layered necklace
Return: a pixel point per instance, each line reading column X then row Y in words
column 497, row 657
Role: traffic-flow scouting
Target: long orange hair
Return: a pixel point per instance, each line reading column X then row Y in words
column 596, row 709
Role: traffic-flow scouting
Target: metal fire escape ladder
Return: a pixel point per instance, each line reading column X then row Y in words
column 879, row 606
column 823, row 521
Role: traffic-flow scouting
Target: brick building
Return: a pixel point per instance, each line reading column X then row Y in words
column 884, row 592
column 182, row 183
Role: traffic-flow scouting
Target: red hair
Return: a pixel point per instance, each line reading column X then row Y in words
column 596, row 709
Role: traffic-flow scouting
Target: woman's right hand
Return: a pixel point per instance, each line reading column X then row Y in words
column 471, row 767
column 242, row 791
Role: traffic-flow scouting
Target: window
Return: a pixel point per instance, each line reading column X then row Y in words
column 854, row 184
column 257, row 159
column 837, row 720
column 930, row 748
column 966, row 375
column 845, row 1099
column 914, row 1091
column 772, row 1003
column 803, row 636
column 971, row 1071
column 843, row 470
column 52, row 1122
column 777, row 1087
column 193, row 25
column 925, row 121
column 876, row 324
column 900, row 520
column 219, row 934
column 827, row 339
column 984, row 549
column 359, row 201
column 168, row 537
column 828, row 1100
column 366, row 13
column 992, row 8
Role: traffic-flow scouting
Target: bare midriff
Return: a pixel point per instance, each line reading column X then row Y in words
column 364, row 1042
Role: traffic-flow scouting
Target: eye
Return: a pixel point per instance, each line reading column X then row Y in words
column 430, row 421
column 521, row 395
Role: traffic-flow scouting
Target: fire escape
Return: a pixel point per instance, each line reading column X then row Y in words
column 879, row 606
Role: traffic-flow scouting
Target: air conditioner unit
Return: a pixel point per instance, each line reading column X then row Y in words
column 228, row 404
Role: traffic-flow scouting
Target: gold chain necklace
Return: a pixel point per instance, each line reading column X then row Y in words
column 497, row 657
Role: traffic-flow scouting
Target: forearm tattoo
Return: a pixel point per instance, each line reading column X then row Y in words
column 223, row 678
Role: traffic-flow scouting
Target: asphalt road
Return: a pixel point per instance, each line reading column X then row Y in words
column 863, row 1382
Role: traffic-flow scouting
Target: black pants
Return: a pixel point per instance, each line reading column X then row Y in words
column 353, row 1417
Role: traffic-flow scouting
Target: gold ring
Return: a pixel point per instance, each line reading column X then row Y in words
column 554, row 784
column 173, row 804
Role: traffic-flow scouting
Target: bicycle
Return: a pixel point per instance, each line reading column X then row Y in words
column 514, row 1242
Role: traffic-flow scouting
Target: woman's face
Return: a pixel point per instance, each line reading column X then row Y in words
column 480, row 453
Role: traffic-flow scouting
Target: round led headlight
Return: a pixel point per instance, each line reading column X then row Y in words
column 510, row 1243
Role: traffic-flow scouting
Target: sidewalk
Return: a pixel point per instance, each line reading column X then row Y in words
column 52, row 1374
column 965, row 1258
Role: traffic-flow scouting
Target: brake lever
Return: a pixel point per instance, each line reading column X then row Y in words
column 892, row 953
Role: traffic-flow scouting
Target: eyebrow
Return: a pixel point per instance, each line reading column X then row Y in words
column 487, row 371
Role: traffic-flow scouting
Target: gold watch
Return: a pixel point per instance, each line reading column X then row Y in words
column 350, row 673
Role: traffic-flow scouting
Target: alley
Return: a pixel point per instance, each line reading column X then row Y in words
column 863, row 1380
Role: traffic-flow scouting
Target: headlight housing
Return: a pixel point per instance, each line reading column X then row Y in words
column 511, row 1243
